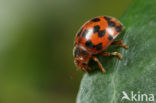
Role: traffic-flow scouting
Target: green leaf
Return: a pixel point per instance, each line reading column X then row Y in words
column 136, row 71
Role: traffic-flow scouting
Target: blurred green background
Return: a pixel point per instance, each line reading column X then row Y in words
column 36, row 42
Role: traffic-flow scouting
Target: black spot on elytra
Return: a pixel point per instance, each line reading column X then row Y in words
column 110, row 37
column 98, row 46
column 95, row 20
column 101, row 33
column 119, row 28
column 84, row 33
column 89, row 44
column 107, row 18
column 96, row 28
column 79, row 33
column 111, row 23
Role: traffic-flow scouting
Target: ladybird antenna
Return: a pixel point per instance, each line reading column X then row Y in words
column 73, row 75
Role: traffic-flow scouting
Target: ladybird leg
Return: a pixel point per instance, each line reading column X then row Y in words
column 113, row 53
column 100, row 65
column 120, row 43
column 89, row 68
column 84, row 70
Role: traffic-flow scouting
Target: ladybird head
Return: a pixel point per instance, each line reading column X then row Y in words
column 81, row 56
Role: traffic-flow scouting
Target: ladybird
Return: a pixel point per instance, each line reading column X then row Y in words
column 94, row 37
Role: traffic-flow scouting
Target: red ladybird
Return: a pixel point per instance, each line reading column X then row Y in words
column 95, row 37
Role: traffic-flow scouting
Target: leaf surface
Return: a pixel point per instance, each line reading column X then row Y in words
column 136, row 71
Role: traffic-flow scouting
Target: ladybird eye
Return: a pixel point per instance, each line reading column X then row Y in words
column 77, row 52
column 84, row 64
